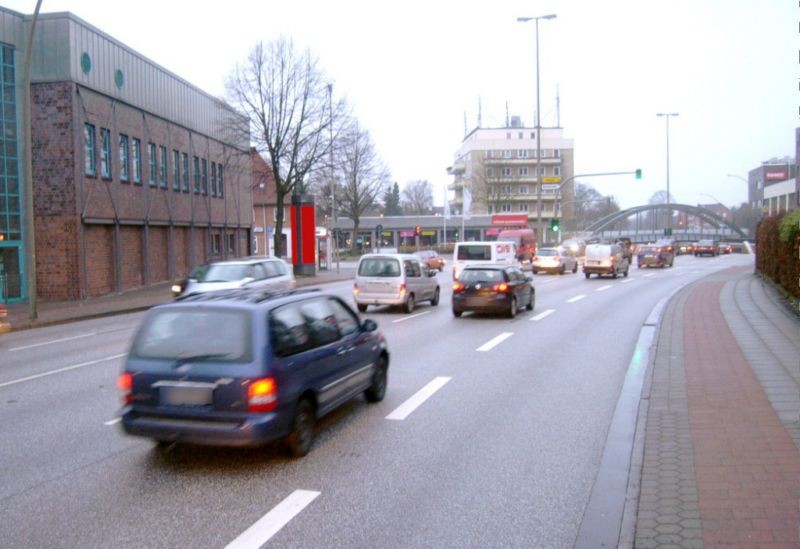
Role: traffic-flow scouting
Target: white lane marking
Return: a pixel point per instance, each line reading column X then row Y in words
column 548, row 281
column 411, row 316
column 271, row 523
column 544, row 314
column 416, row 400
column 627, row 280
column 60, row 370
column 649, row 275
column 52, row 342
column 603, row 288
column 113, row 421
column 489, row 345
column 576, row 298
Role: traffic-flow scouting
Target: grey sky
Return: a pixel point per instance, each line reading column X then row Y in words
column 412, row 70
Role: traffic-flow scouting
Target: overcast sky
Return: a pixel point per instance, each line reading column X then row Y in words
column 413, row 70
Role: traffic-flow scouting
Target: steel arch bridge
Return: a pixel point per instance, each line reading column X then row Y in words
column 702, row 213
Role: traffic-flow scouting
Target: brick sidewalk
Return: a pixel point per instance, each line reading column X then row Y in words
column 720, row 467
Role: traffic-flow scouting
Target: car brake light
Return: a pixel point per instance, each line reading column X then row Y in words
column 458, row 287
column 262, row 395
column 500, row 288
column 125, row 385
column 402, row 289
column 355, row 289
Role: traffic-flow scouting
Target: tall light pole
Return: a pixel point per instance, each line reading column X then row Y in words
column 333, row 186
column 539, row 227
column 667, row 115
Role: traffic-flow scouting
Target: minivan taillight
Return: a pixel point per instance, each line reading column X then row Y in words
column 402, row 289
column 125, row 385
column 262, row 395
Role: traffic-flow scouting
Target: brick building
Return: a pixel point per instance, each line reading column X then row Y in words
column 137, row 174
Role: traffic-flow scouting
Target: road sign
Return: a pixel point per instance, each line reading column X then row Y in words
column 550, row 187
column 551, row 180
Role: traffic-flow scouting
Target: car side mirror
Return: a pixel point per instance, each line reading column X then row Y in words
column 369, row 325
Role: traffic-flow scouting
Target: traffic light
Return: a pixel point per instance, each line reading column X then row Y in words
column 638, row 173
column 554, row 225
column 417, row 230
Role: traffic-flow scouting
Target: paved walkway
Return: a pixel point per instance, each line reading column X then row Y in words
column 721, row 464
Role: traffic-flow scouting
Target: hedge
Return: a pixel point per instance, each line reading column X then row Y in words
column 778, row 250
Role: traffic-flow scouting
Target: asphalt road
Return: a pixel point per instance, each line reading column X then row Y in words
column 504, row 450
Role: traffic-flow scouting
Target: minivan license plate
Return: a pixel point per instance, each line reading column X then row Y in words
column 186, row 396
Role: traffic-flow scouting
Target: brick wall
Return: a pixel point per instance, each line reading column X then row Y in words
column 132, row 260
column 157, row 254
column 100, row 255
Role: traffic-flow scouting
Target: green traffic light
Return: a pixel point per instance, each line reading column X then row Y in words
column 638, row 173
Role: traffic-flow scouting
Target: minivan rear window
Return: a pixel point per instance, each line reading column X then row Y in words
column 221, row 335
column 475, row 252
column 379, row 266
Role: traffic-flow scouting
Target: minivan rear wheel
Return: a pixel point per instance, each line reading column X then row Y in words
column 435, row 300
column 301, row 434
column 362, row 308
column 408, row 306
column 377, row 390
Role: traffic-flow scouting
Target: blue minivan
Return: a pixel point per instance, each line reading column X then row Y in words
column 247, row 367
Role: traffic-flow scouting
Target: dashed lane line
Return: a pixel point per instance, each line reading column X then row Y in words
column 603, row 288
column 543, row 314
column 576, row 298
column 417, row 399
column 489, row 345
column 60, row 370
column 271, row 523
column 410, row 317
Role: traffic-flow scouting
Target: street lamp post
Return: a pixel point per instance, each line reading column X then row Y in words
column 667, row 115
column 539, row 227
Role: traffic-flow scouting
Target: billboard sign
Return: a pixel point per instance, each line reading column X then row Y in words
column 776, row 175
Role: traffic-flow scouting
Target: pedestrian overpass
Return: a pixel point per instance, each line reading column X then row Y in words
column 700, row 223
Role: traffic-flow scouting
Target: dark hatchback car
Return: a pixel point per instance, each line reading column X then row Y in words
column 706, row 247
column 494, row 289
column 246, row 367
column 660, row 254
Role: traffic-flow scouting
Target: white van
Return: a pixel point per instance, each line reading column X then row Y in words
column 472, row 253
column 605, row 259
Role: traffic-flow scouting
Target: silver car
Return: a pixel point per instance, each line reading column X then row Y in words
column 394, row 279
column 260, row 272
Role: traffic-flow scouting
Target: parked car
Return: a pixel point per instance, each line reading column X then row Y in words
column 246, row 367
column 394, row 279
column 605, row 259
column 432, row 259
column 493, row 288
column 553, row 260
column 706, row 247
column 253, row 272
column 655, row 255
column 5, row 326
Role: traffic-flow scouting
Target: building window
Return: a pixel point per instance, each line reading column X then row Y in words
column 519, row 135
column 123, row 157
column 489, row 172
column 556, row 153
column 176, row 171
column 162, row 171
column 505, row 208
column 220, row 185
column 151, row 151
column 196, row 166
column 204, row 163
column 523, row 189
column 89, row 158
column 522, row 153
column 137, row 160
column 105, row 153
column 508, row 135
column 507, row 153
column 523, row 207
column 213, row 179
column 489, row 154
column 231, row 244
column 556, row 170
column 542, row 170
column 215, row 244
column 506, row 171
column 10, row 203
column 185, row 171
column 507, row 189
column 523, row 170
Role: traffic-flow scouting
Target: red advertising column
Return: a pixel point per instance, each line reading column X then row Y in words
column 304, row 236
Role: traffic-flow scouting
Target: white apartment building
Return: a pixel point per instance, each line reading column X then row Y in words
column 498, row 166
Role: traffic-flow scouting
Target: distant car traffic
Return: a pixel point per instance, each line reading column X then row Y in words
column 605, row 259
column 246, row 367
column 394, row 279
column 706, row 247
column 553, row 260
column 432, row 259
column 725, row 248
column 493, row 289
column 684, row 248
column 253, row 272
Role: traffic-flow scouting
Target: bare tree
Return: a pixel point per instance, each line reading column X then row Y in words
column 285, row 98
column 418, row 198
column 363, row 176
column 591, row 206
